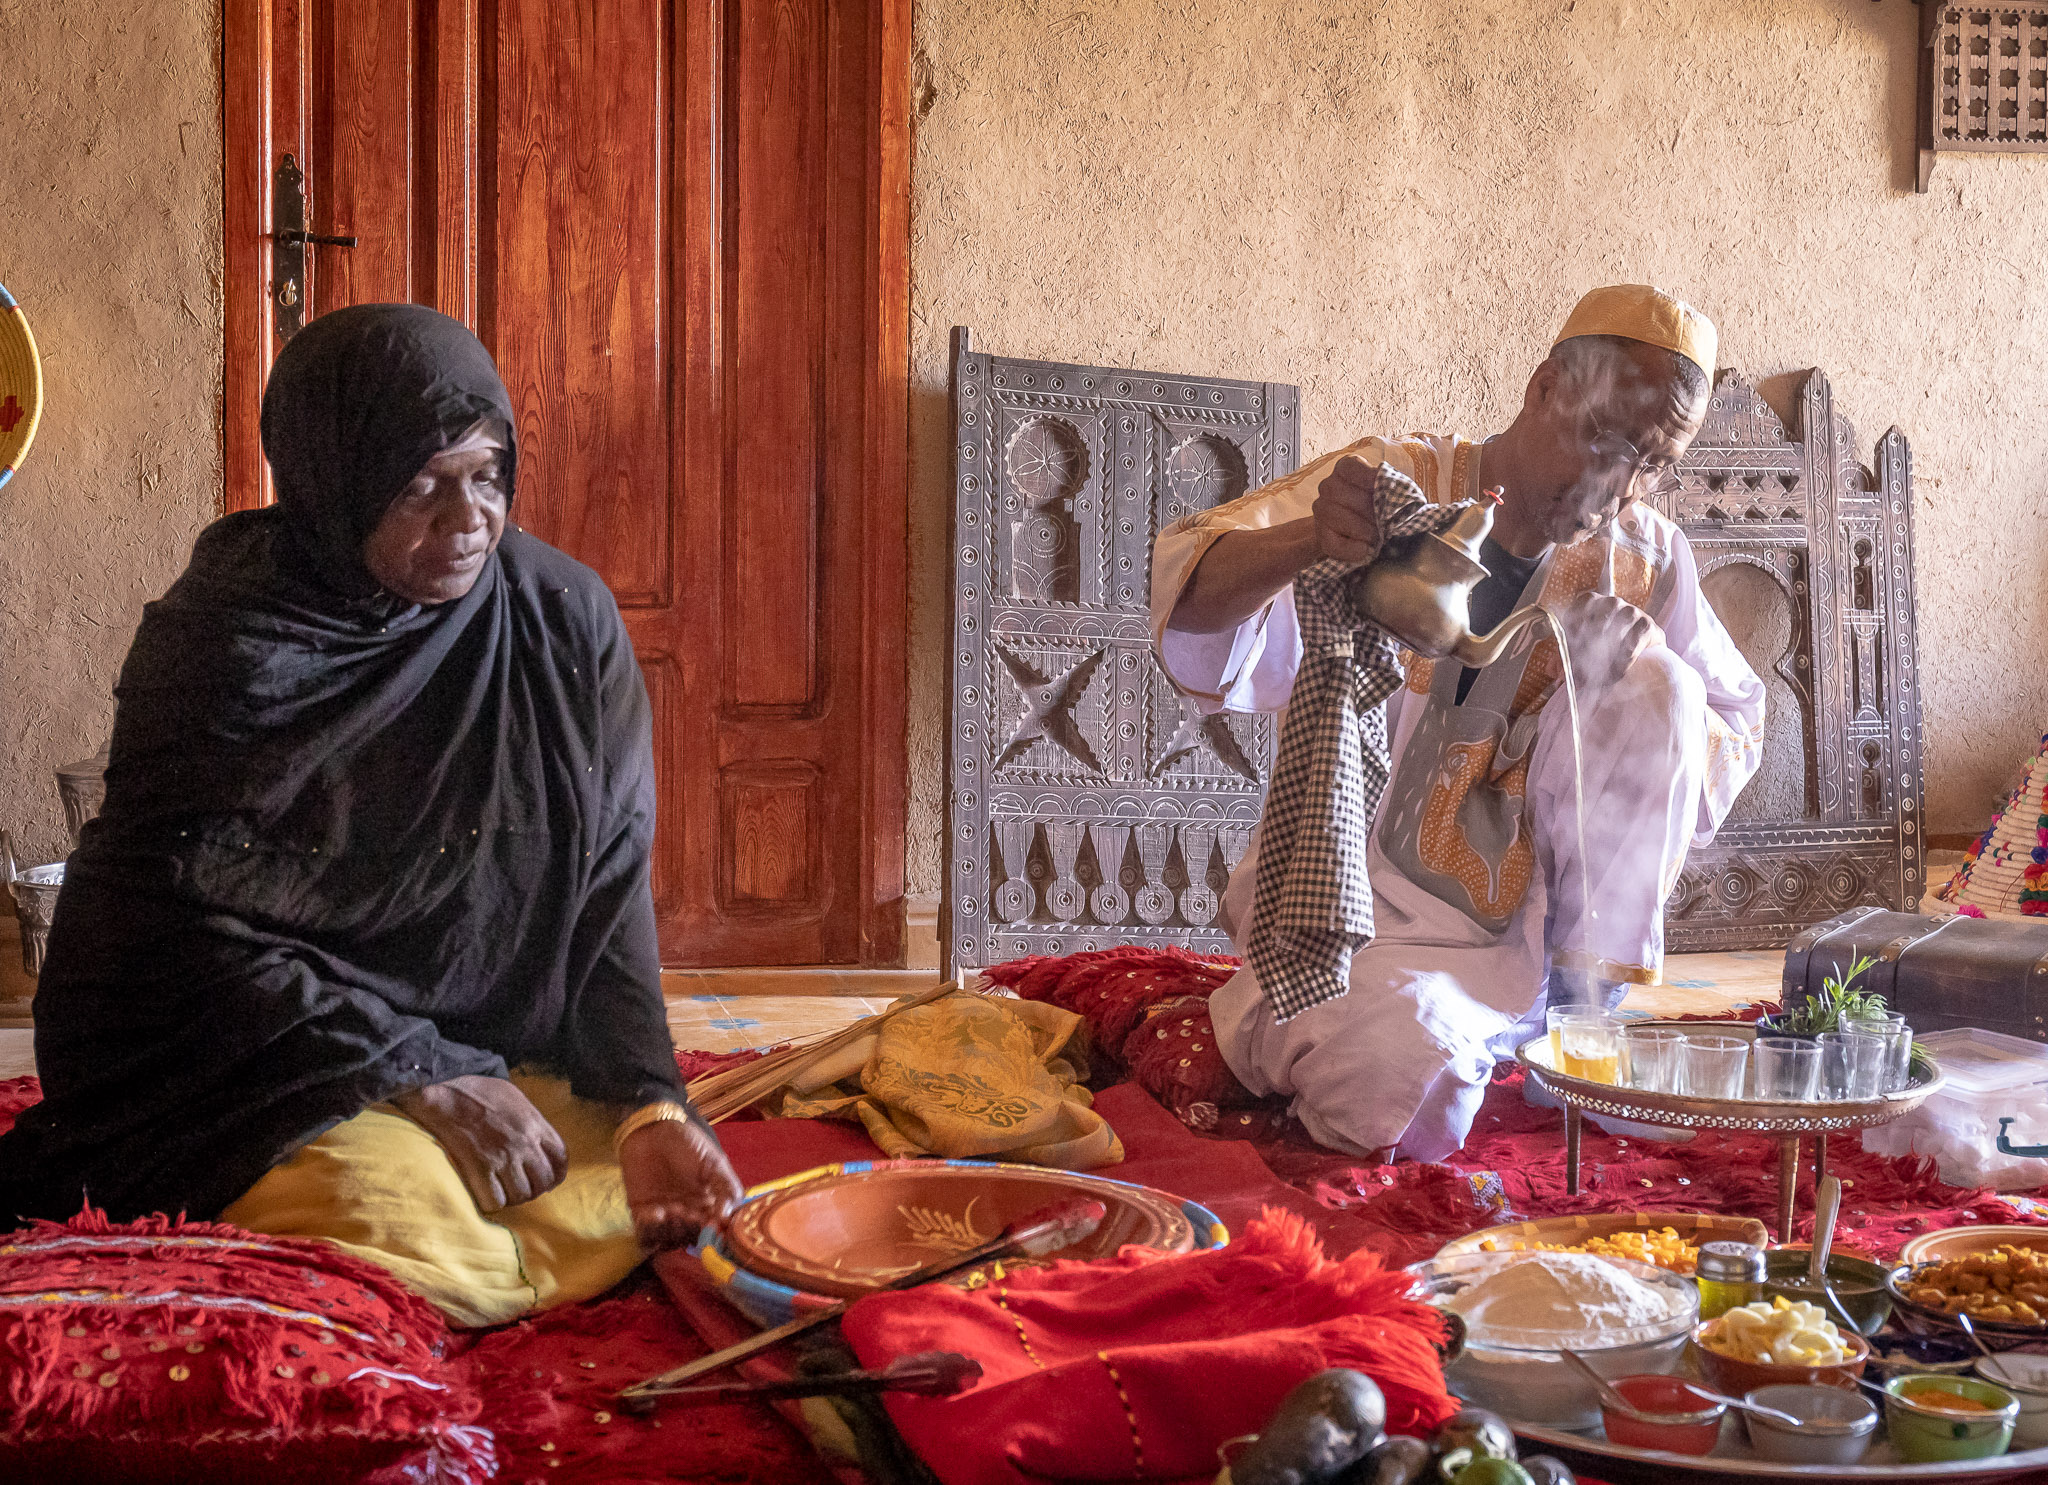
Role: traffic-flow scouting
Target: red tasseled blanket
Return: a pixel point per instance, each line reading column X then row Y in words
column 1137, row 1368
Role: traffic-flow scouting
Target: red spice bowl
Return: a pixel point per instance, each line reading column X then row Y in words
column 1681, row 1418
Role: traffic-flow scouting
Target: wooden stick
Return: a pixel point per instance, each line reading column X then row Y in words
column 720, row 1095
column 928, row 1374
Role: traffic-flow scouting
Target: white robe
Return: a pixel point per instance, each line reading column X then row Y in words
column 1474, row 859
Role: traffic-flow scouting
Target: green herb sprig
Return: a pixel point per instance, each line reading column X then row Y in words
column 1837, row 1002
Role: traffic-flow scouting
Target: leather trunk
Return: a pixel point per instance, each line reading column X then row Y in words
column 1936, row 971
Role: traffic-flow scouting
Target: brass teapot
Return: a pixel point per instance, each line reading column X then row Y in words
column 1421, row 592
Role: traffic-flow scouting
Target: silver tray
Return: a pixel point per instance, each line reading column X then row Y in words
column 1618, row 1463
column 1749, row 1115
column 1788, row 1123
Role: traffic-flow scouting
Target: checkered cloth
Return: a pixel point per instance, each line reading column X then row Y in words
column 1313, row 905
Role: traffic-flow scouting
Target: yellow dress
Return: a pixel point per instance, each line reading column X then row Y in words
column 380, row 1187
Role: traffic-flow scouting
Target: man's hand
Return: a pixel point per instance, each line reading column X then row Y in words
column 1606, row 634
column 677, row 1182
column 1347, row 523
column 505, row 1152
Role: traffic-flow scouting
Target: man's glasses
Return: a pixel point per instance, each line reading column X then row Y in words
column 1645, row 478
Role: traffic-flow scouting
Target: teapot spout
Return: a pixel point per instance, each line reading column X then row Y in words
column 1481, row 650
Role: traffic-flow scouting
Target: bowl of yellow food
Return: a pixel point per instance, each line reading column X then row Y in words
column 2003, row 1291
column 1777, row 1341
column 1669, row 1240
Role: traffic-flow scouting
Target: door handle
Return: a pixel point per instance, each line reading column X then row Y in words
column 297, row 236
column 288, row 239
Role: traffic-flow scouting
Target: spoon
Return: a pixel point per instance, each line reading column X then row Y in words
column 1827, row 1205
column 1969, row 1329
column 1621, row 1404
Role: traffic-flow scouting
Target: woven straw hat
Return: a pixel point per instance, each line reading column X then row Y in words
column 21, row 387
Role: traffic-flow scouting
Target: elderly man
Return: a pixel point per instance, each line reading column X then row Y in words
column 1474, row 859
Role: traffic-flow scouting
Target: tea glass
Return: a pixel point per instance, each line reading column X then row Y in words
column 1555, row 1019
column 1712, row 1066
column 1852, row 1064
column 1649, row 1057
column 1898, row 1039
column 1591, row 1048
column 1787, row 1069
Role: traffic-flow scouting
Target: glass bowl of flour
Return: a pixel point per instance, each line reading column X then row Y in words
column 1520, row 1310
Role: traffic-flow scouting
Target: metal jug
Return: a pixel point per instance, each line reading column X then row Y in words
column 34, row 890
column 1421, row 592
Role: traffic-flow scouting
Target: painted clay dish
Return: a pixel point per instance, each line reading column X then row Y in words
column 21, row 386
column 849, row 1231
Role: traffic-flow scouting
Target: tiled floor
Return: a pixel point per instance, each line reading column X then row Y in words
column 1694, row 984
column 17, row 1053
column 795, row 1003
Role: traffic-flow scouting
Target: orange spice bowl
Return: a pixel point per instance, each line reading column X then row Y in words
column 1735, row 1377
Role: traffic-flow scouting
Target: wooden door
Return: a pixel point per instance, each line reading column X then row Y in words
column 681, row 228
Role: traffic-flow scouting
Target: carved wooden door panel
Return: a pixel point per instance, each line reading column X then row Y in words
column 1088, row 804
column 1808, row 558
column 679, row 226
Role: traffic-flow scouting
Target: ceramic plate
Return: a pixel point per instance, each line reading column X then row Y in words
column 1953, row 1242
column 849, row 1213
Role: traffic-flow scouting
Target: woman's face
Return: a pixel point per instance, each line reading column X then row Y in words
column 436, row 536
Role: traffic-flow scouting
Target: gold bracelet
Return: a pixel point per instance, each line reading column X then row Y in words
column 665, row 1112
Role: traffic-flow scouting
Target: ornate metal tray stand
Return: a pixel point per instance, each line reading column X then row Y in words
column 1788, row 1123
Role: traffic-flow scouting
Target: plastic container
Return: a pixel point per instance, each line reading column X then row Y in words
column 1924, row 1434
column 1683, row 1421
column 1835, row 1426
column 2025, row 1376
column 1520, row 1373
column 1990, row 1075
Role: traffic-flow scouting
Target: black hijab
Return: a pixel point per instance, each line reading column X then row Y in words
column 351, row 845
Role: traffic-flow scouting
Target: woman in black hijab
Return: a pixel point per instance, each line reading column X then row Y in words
column 378, row 815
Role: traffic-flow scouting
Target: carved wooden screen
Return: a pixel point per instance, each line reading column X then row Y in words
column 1808, row 558
column 1088, row 804
column 1983, row 79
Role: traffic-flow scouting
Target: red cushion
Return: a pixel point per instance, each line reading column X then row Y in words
column 162, row 1351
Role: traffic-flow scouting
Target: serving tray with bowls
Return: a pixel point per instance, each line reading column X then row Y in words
column 1583, row 1442
column 842, row 1231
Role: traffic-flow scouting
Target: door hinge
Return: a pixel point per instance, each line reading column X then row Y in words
column 288, row 239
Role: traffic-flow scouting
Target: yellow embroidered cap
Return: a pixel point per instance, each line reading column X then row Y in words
column 1639, row 312
column 21, row 386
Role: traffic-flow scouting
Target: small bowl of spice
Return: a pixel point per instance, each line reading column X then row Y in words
column 1669, row 1415
column 1834, row 1426
column 2025, row 1375
column 1939, row 1418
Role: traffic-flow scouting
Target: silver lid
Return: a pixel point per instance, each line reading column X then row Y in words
column 1730, row 1263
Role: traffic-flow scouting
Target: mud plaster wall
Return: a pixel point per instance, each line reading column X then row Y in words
column 110, row 237
column 1394, row 204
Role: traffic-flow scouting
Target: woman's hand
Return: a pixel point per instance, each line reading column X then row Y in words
column 677, row 1182
column 505, row 1152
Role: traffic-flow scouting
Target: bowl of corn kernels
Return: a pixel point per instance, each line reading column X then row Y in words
column 1668, row 1240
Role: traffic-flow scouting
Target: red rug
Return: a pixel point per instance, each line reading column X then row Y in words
column 548, row 1382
